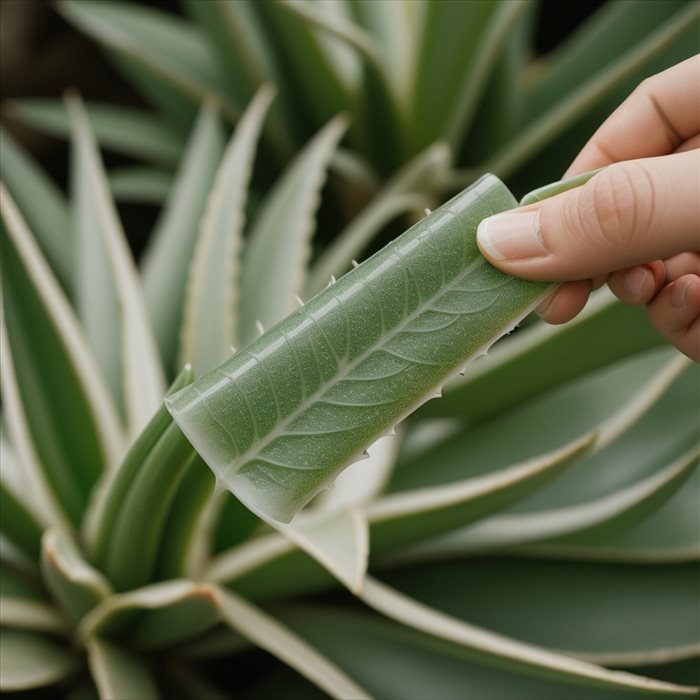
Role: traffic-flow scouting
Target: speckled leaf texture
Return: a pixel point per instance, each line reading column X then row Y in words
column 277, row 421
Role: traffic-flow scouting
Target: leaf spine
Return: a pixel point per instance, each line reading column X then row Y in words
column 259, row 327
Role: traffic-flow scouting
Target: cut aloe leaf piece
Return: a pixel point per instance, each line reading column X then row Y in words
column 308, row 397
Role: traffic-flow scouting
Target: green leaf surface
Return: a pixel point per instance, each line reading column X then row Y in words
column 43, row 205
column 278, row 247
column 615, row 28
column 119, row 129
column 169, row 252
column 161, row 49
column 354, row 360
column 111, row 493
column 613, row 614
column 73, row 582
column 114, row 312
column 210, row 314
column 62, row 421
column 671, row 534
column 317, row 82
column 28, row 660
column 407, row 517
column 19, row 612
column 506, row 651
column 449, row 48
column 118, row 674
column 139, row 185
column 17, row 519
column 402, row 193
column 411, row 665
column 269, row 634
column 542, row 356
column 135, row 540
column 156, row 616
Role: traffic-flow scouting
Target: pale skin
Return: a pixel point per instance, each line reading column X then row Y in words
column 634, row 226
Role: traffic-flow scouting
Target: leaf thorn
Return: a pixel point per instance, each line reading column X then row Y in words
column 259, row 327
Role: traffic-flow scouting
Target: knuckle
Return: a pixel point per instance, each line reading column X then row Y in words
column 616, row 206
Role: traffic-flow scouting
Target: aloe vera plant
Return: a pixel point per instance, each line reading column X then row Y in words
column 533, row 533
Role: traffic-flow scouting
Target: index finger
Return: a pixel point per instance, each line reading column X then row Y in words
column 658, row 117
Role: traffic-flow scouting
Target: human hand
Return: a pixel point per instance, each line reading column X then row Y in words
column 635, row 225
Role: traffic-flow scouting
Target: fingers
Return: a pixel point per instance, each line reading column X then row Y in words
column 656, row 119
column 638, row 285
column 629, row 214
column 675, row 313
column 565, row 302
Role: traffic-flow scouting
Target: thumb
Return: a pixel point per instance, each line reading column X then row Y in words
column 631, row 213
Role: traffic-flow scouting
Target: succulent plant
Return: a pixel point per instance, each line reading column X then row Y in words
column 533, row 533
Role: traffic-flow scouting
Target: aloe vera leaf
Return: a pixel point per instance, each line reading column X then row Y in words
column 29, row 660
column 318, row 84
column 62, row 421
column 154, row 616
column 403, row 192
column 321, row 386
column 118, row 673
column 554, row 121
column 17, row 519
column 542, row 357
column 190, row 523
column 74, row 583
column 168, row 59
column 119, row 129
column 272, row 636
column 139, row 527
column 449, row 47
column 111, row 493
column 414, row 666
column 646, row 612
column 510, row 652
column 21, row 613
column 210, row 305
column 140, row 185
column 136, row 362
column 168, row 255
column 596, row 43
column 278, row 246
column 44, row 206
column 238, row 39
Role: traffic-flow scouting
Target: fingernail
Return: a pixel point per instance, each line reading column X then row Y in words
column 635, row 279
column 679, row 292
column 513, row 236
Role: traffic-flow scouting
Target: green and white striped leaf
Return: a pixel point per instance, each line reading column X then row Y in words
column 612, row 614
column 111, row 493
column 60, row 417
column 118, row 674
column 543, row 356
column 19, row 612
column 124, row 130
column 167, row 58
column 671, row 534
column 43, row 206
column 28, row 660
column 354, row 360
column 139, row 185
column 405, row 192
column 169, row 253
column 73, row 582
column 210, row 315
column 278, row 247
column 407, row 517
column 17, row 519
column 415, row 666
column 269, row 634
column 112, row 303
column 510, row 652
